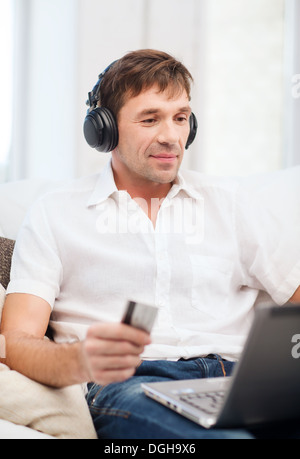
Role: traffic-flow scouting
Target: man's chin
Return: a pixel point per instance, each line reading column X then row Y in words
column 164, row 177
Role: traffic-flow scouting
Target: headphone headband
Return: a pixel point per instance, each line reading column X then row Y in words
column 94, row 95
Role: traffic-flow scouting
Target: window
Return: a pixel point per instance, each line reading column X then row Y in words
column 243, row 114
column 6, row 56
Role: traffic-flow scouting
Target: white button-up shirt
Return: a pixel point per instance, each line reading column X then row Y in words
column 89, row 248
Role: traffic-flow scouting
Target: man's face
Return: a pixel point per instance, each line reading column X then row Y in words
column 153, row 131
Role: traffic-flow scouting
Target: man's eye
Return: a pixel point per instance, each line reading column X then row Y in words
column 149, row 121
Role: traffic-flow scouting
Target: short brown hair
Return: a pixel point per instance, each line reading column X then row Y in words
column 138, row 71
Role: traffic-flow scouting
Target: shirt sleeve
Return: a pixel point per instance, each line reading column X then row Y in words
column 36, row 267
column 268, row 227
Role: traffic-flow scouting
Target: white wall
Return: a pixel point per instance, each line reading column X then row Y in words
column 52, row 108
column 234, row 48
column 45, row 85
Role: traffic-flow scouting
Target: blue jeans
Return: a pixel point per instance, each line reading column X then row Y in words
column 123, row 411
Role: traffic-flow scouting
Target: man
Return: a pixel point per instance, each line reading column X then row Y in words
column 141, row 231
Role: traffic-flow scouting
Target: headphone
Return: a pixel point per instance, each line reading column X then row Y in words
column 100, row 125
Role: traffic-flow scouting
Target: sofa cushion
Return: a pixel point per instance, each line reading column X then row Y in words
column 6, row 251
column 10, row 431
column 61, row 413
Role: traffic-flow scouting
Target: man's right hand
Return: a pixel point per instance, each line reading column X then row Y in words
column 111, row 352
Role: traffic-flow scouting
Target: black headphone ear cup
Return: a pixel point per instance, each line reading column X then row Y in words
column 193, row 130
column 110, row 132
column 93, row 128
column 101, row 130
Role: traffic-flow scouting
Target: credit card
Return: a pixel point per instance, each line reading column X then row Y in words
column 140, row 315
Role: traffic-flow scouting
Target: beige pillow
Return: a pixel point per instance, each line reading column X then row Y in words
column 61, row 413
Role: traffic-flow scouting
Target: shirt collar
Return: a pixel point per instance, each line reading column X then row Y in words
column 106, row 187
column 180, row 184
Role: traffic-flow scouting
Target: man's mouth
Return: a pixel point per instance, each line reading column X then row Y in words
column 164, row 157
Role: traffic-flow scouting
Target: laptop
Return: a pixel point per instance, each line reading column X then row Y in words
column 264, row 386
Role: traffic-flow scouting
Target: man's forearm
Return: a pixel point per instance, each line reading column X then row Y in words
column 110, row 353
column 55, row 365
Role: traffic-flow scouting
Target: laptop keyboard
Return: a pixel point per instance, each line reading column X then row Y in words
column 209, row 402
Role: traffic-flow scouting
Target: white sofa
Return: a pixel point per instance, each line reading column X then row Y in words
column 15, row 199
column 280, row 191
column 10, row 431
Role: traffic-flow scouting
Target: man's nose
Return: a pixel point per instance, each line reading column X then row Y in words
column 168, row 133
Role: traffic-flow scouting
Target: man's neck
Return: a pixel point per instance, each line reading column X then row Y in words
column 147, row 194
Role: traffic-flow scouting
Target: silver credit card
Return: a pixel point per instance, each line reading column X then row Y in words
column 140, row 315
